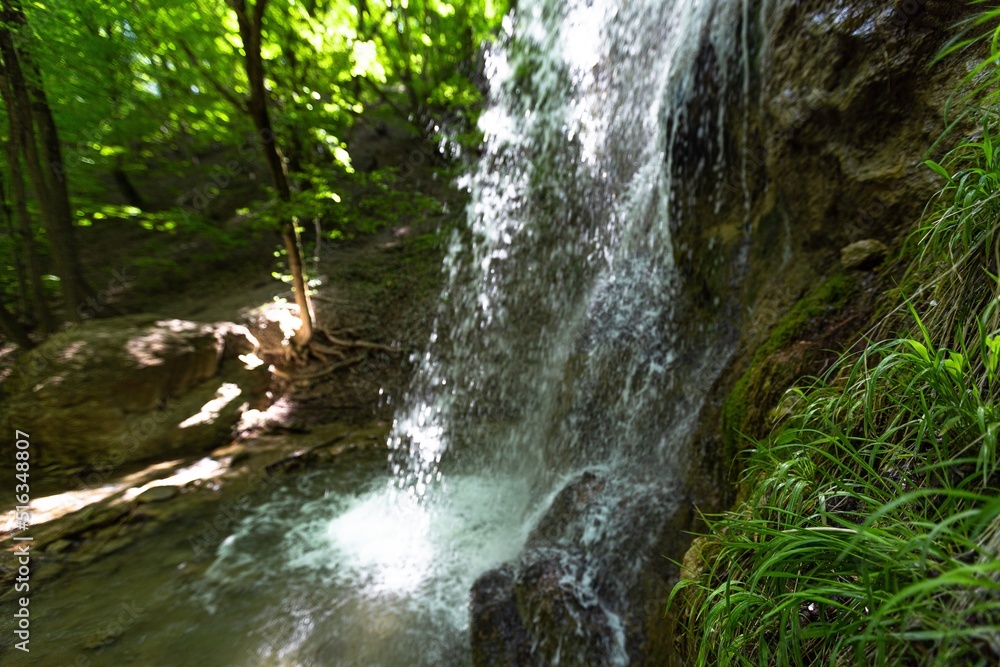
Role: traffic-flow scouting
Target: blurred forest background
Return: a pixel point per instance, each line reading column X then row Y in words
column 171, row 137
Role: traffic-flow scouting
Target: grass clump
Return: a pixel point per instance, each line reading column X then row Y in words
column 872, row 527
column 870, row 533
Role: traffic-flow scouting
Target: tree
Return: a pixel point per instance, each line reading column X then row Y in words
column 13, row 328
column 19, row 219
column 140, row 85
column 251, row 22
column 33, row 128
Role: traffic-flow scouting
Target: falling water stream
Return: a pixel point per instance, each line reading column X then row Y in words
column 563, row 343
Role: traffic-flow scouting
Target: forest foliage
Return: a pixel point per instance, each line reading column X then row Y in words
column 135, row 89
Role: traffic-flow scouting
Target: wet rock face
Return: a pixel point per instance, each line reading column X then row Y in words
column 126, row 389
column 826, row 149
column 543, row 609
column 497, row 632
column 851, row 105
column 533, row 615
column 844, row 103
column 841, row 105
column 579, row 593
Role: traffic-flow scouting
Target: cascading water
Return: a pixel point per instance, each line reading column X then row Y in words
column 547, row 424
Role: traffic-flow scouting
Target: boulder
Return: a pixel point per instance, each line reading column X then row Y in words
column 108, row 392
column 541, row 611
column 498, row 635
column 591, row 585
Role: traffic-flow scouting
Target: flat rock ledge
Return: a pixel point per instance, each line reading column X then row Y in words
column 109, row 392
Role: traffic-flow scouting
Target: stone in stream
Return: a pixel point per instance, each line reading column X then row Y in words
column 498, row 635
column 156, row 494
column 108, row 392
column 529, row 616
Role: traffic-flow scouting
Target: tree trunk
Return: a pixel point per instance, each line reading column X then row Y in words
column 251, row 28
column 27, row 102
column 63, row 242
column 21, row 273
column 126, row 188
column 13, row 329
column 26, row 236
column 14, row 147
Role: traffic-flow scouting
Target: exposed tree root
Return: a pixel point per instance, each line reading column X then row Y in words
column 330, row 351
column 322, row 372
column 304, row 456
column 361, row 344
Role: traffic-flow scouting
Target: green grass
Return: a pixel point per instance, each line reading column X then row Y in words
column 955, row 250
column 870, row 530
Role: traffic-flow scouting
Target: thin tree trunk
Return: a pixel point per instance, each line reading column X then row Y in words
column 251, row 29
column 64, row 247
column 13, row 329
column 20, row 271
column 362, row 36
column 14, row 147
column 26, row 235
column 406, row 74
column 26, row 100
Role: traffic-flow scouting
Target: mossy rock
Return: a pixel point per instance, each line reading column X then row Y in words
column 802, row 344
column 699, row 559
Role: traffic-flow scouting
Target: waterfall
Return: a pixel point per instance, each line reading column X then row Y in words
column 559, row 346
column 561, row 295
column 543, row 451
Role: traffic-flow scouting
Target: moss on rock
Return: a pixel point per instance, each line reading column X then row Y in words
column 795, row 346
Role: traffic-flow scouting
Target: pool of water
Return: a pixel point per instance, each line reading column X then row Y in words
column 333, row 567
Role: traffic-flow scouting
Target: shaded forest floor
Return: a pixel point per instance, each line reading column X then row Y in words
column 381, row 286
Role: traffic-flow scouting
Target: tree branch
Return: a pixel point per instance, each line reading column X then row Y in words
column 402, row 113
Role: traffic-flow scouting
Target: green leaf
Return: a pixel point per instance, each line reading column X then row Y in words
column 955, row 363
column 993, row 354
column 919, row 348
column 938, row 169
